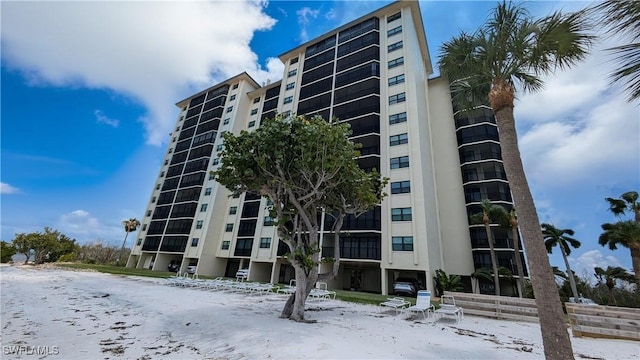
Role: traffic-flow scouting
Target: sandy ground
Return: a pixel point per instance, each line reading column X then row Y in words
column 49, row 313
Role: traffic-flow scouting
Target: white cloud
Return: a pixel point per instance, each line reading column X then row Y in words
column 579, row 128
column 154, row 52
column 101, row 118
column 305, row 15
column 8, row 189
column 584, row 264
column 82, row 226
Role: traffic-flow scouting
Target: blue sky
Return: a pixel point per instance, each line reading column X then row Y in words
column 88, row 94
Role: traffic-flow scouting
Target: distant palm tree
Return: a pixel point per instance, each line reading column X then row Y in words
column 513, row 50
column 627, row 234
column 444, row 282
column 562, row 238
column 627, row 202
column 623, row 17
column 490, row 213
column 488, row 274
column 559, row 273
column 609, row 277
column 130, row 225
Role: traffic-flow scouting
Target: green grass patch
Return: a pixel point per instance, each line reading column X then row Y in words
column 344, row 295
column 119, row 270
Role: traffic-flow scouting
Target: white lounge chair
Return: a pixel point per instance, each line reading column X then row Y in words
column 423, row 304
column 288, row 289
column 448, row 307
column 396, row 303
column 321, row 292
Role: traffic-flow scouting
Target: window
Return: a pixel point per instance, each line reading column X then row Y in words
column 162, row 174
column 207, row 191
column 396, row 80
column 219, row 147
column 394, row 46
column 232, row 97
column 199, row 224
column 225, row 245
column 203, row 208
column 166, row 162
column 228, row 228
column 139, row 242
column 393, row 17
column 144, row 227
column 294, row 60
column 292, row 73
column 290, row 86
column 254, row 111
column 235, row 196
column 268, row 221
column 252, row 123
column 398, row 139
column 400, row 162
column 265, row 243
column 235, row 86
column 288, row 99
column 402, row 243
column 226, row 121
column 395, row 62
column 158, row 187
column 401, row 214
column 194, row 242
column 397, row 118
column 233, row 210
column 401, row 187
column 286, row 113
column 174, row 139
column 212, row 176
column 398, row 98
column 230, row 109
column 148, row 212
column 216, row 161
column 395, row 30
column 153, row 199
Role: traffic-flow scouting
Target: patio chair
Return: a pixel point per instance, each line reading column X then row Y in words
column 423, row 304
column 448, row 307
column 396, row 303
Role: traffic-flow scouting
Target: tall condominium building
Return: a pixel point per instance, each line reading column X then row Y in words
column 372, row 73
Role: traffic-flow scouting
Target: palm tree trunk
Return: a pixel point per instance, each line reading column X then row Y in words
column 494, row 262
column 126, row 233
column 572, row 279
column 516, row 248
column 555, row 337
column 635, row 262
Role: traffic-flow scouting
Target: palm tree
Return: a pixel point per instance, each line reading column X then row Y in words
column 511, row 51
column 444, row 282
column 562, row 238
column 627, row 234
column 623, row 17
column 488, row 274
column 490, row 211
column 627, row 202
column 512, row 220
column 609, row 277
column 130, row 225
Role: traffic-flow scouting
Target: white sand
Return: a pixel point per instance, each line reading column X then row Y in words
column 87, row 315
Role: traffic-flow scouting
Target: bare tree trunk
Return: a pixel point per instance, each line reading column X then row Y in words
column 126, row 233
column 494, row 261
column 555, row 337
column 572, row 279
